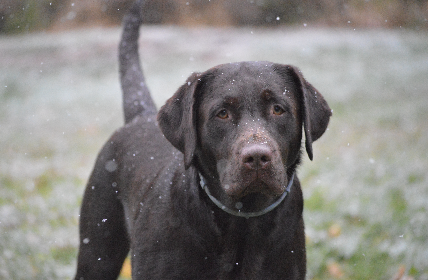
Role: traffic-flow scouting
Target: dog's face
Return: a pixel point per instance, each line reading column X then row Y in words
column 241, row 125
column 249, row 131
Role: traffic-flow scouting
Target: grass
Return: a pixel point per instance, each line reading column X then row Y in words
column 366, row 194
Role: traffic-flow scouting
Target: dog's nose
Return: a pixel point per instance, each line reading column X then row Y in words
column 256, row 156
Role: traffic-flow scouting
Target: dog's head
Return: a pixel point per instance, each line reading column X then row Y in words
column 241, row 124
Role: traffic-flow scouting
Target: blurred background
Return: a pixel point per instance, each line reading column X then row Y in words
column 366, row 192
column 31, row 15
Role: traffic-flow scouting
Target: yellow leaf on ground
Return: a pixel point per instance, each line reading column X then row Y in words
column 126, row 269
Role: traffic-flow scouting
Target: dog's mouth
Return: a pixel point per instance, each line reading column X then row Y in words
column 257, row 187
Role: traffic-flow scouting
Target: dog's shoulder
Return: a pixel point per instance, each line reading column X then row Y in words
column 139, row 146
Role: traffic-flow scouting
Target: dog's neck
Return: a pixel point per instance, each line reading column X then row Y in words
column 244, row 214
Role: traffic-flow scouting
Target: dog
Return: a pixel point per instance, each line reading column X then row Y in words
column 206, row 188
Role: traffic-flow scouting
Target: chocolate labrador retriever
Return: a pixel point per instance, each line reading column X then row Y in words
column 208, row 188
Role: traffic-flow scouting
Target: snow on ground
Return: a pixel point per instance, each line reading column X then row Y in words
column 366, row 194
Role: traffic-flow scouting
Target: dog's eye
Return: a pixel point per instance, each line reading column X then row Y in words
column 277, row 110
column 223, row 114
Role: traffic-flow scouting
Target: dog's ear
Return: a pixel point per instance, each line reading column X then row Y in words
column 177, row 121
column 316, row 112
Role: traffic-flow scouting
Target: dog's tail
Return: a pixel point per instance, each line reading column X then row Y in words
column 136, row 95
